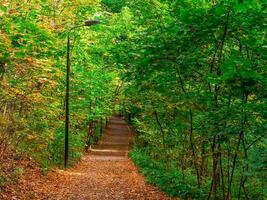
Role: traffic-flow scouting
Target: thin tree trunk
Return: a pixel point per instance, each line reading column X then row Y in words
column 161, row 129
column 241, row 135
column 190, row 132
column 222, row 174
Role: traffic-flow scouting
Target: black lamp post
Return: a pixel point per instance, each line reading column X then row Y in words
column 86, row 23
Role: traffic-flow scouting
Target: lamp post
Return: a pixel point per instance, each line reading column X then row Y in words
column 86, row 23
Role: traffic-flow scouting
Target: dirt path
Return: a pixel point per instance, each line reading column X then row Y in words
column 104, row 174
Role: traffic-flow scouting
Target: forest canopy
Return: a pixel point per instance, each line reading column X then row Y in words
column 190, row 75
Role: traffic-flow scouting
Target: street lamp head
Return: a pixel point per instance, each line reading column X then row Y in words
column 91, row 22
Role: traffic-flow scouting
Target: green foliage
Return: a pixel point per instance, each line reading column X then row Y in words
column 189, row 74
column 12, row 177
column 32, row 79
column 114, row 6
column 195, row 84
column 168, row 179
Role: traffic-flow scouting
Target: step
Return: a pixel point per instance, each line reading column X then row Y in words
column 117, row 137
column 117, row 132
column 122, row 146
column 108, row 158
column 107, row 152
column 117, row 122
column 114, row 142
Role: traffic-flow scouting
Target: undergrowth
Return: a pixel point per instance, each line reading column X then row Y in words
column 167, row 178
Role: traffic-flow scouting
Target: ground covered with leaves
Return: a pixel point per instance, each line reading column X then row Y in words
column 90, row 179
column 104, row 173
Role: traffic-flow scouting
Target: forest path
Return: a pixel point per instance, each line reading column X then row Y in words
column 106, row 173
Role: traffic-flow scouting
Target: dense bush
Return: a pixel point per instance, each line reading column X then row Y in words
column 168, row 178
column 32, row 81
column 195, row 84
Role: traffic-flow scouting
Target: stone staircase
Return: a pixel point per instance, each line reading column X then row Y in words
column 115, row 143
